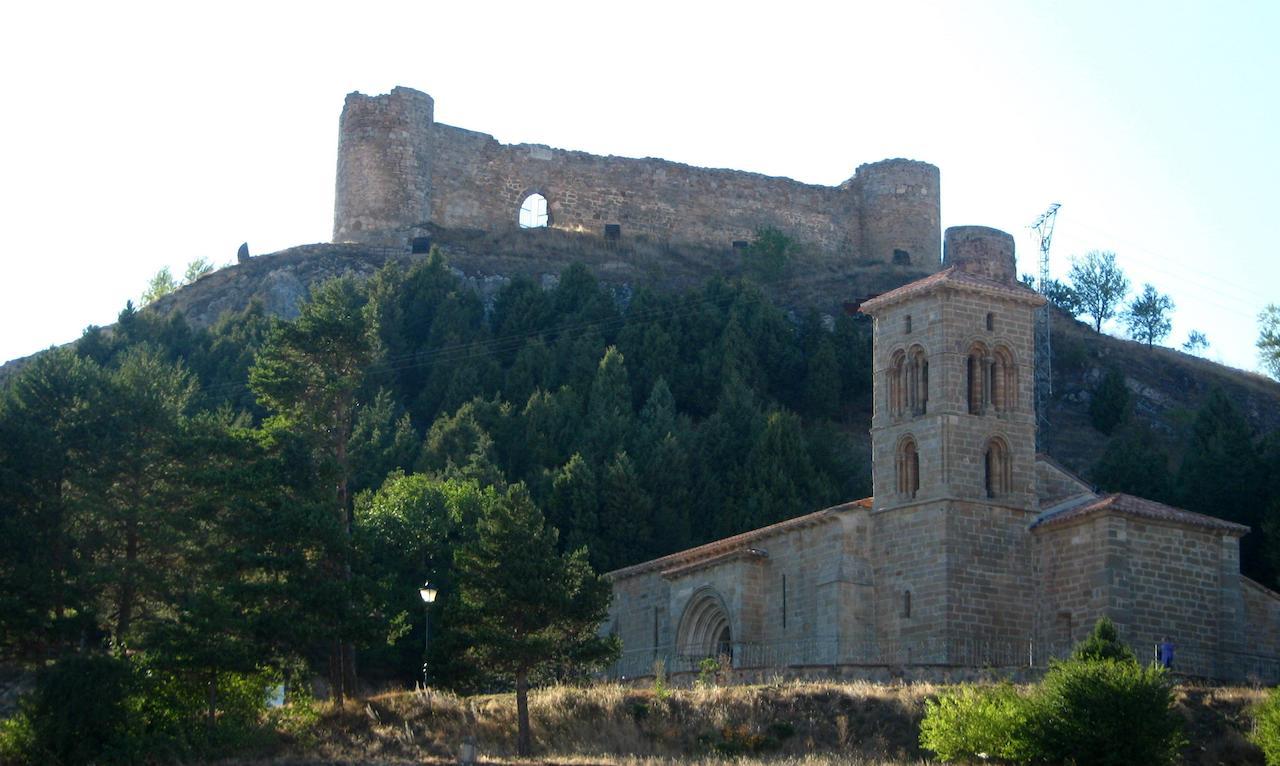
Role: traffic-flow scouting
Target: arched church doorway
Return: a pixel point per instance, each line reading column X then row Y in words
column 705, row 627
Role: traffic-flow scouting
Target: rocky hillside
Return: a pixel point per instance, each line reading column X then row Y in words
column 1166, row 385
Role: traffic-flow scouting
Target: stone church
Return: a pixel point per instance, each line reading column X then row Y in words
column 975, row 551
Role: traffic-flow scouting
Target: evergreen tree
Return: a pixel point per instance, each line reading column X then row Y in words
column 310, row 374
column 573, row 505
column 140, row 490
column 403, row 306
column 459, row 447
column 1109, row 406
column 522, row 311
column 853, row 352
column 382, row 440
column 781, row 478
column 609, row 416
column 1133, row 463
column 530, row 371
column 522, row 605
column 626, row 515
column 1221, row 475
column 50, row 415
column 822, row 381
column 721, row 490
column 551, row 425
column 1103, row 643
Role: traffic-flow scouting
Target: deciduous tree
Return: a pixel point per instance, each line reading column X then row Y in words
column 1269, row 339
column 1147, row 317
column 1099, row 284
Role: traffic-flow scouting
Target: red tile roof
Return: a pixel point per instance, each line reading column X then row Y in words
column 1138, row 507
column 953, row 277
column 736, row 543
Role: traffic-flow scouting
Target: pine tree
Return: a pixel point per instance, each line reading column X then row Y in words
column 1222, row 476
column 50, row 415
column 382, row 440
column 626, row 515
column 781, row 478
column 1134, row 463
column 459, row 447
column 522, row 605
column 822, row 381
column 609, row 416
column 310, row 374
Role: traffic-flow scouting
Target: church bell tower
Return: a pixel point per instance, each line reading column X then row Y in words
column 953, row 445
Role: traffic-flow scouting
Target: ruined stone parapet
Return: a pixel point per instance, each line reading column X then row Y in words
column 900, row 212
column 399, row 171
column 384, row 167
column 983, row 251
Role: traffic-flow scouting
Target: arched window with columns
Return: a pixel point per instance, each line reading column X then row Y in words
column 907, row 468
column 918, row 380
column 1004, row 380
column 998, row 466
column 897, row 384
column 978, row 378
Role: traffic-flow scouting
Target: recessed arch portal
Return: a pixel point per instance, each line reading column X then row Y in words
column 705, row 626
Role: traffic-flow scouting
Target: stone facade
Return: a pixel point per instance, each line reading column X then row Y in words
column 400, row 171
column 974, row 552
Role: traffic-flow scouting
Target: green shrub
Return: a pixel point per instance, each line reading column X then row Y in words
column 104, row 709
column 1266, row 727
column 80, row 712
column 970, row 722
column 1099, row 708
column 17, row 740
column 1103, row 644
column 769, row 253
column 1104, row 712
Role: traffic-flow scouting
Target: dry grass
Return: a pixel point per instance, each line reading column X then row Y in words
column 800, row 723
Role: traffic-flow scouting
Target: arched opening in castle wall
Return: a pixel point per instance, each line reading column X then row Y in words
column 534, row 213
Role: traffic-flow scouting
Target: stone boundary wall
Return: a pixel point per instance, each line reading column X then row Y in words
column 399, row 170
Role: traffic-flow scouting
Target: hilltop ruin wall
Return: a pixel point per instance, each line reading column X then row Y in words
column 399, row 171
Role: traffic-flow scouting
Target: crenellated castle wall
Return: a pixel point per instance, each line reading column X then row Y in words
column 399, row 170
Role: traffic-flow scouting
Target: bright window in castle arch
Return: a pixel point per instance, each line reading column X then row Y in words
column 533, row 212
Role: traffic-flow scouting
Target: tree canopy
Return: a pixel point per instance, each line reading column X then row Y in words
column 1147, row 316
column 1099, row 286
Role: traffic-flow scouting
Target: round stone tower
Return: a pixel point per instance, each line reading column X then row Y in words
column 983, row 251
column 384, row 167
column 900, row 213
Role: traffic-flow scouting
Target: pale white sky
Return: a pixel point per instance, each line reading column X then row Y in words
column 137, row 135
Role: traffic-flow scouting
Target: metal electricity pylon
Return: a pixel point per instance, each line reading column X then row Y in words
column 1042, row 228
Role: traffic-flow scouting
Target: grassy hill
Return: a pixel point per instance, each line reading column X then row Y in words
column 809, row 722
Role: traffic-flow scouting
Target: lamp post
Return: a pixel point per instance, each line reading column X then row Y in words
column 428, row 594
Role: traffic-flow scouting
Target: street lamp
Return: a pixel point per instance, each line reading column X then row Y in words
column 428, row 594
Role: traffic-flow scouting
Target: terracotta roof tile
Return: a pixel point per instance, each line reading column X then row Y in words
column 1138, row 507
column 732, row 544
column 952, row 277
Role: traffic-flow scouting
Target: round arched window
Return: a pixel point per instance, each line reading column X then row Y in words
column 533, row 212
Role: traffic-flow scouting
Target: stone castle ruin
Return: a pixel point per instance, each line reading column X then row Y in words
column 400, row 173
